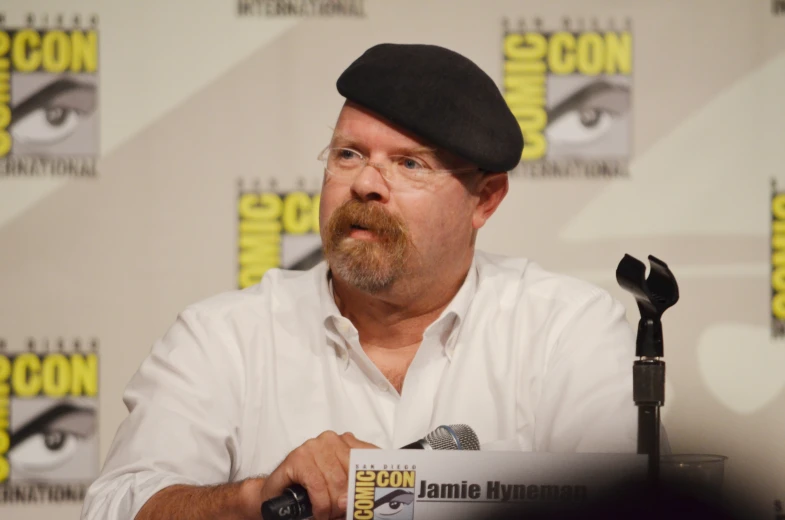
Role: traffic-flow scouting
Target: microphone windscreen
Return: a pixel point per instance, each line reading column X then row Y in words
column 453, row 437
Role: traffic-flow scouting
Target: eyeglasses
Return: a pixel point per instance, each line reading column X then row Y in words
column 346, row 163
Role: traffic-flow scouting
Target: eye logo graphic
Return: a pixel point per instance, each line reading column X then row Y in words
column 570, row 91
column 276, row 229
column 777, row 262
column 48, row 424
column 382, row 494
column 48, row 102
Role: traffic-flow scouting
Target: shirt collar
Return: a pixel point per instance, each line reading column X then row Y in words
column 445, row 328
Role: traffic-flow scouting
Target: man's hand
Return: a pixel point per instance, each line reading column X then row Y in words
column 321, row 465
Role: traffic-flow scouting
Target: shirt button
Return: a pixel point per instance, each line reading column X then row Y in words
column 383, row 386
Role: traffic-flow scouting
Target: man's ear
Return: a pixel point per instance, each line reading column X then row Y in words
column 490, row 191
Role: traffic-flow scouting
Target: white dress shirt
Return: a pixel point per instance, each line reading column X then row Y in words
column 531, row 360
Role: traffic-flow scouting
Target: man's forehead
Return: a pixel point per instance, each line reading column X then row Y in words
column 359, row 125
column 356, row 123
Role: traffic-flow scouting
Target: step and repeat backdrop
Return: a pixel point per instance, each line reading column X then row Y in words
column 155, row 152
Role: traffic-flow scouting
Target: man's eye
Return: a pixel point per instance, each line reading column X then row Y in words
column 411, row 164
column 345, row 154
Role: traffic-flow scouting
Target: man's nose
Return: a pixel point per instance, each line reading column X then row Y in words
column 370, row 184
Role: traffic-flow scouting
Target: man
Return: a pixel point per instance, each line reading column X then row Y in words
column 405, row 327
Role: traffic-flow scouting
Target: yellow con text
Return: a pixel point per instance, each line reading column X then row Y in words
column 54, row 51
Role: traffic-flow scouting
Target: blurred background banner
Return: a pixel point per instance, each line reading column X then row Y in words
column 154, row 153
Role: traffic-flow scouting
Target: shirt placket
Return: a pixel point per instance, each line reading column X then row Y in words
column 415, row 406
column 380, row 391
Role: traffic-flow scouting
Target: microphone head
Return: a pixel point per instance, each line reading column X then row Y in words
column 453, row 437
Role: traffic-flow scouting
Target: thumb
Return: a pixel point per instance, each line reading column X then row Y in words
column 354, row 442
column 275, row 484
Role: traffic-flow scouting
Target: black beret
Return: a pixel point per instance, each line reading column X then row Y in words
column 440, row 96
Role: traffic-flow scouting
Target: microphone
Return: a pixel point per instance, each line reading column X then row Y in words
column 452, row 437
column 294, row 504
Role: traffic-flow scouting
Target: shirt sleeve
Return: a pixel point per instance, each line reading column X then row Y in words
column 586, row 400
column 183, row 423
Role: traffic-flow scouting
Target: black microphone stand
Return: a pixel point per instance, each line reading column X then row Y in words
column 654, row 296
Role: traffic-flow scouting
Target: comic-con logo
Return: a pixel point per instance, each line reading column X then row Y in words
column 276, row 229
column 48, row 102
column 301, row 8
column 777, row 262
column 48, row 424
column 570, row 91
column 384, row 494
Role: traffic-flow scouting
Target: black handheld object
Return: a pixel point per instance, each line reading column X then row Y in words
column 654, row 296
column 294, row 504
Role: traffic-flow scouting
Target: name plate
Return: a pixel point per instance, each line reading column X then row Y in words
column 452, row 485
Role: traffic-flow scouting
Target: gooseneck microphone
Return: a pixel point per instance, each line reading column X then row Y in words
column 294, row 504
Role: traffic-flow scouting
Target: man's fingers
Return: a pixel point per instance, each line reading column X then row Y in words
column 314, row 481
column 334, row 464
column 349, row 441
column 354, row 442
column 321, row 465
column 278, row 480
